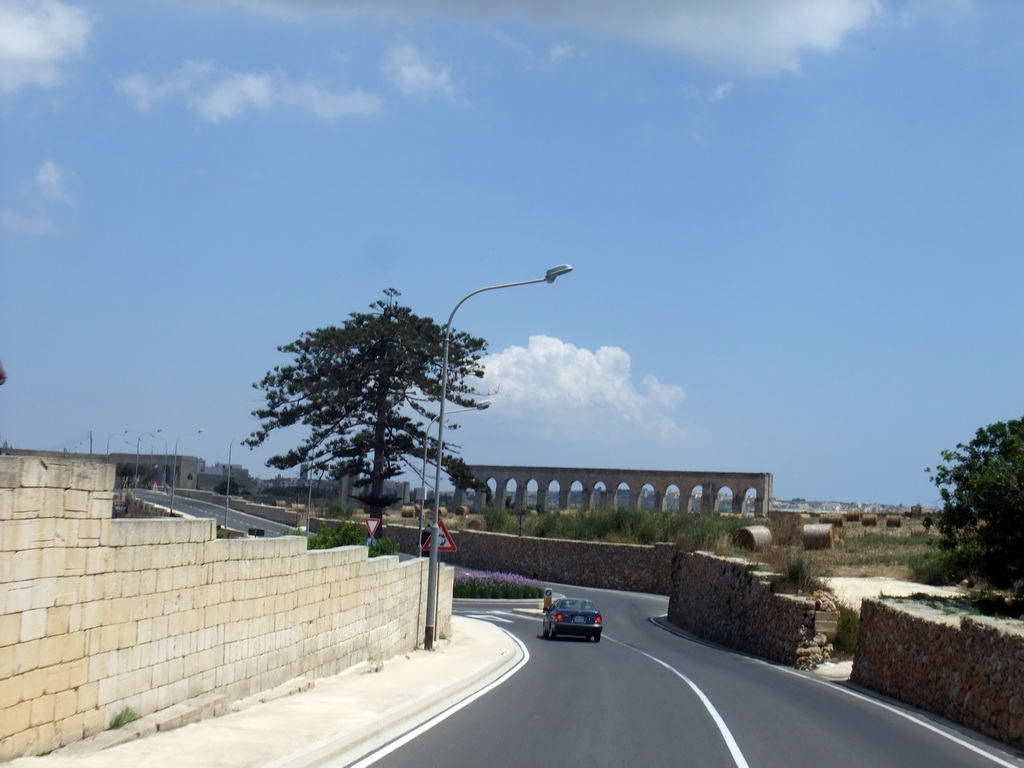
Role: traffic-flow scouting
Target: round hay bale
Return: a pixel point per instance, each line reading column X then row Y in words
column 409, row 510
column 819, row 536
column 869, row 520
column 754, row 538
column 462, row 510
column 853, row 516
column 832, row 518
column 893, row 521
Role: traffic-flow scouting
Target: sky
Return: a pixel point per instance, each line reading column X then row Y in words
column 795, row 225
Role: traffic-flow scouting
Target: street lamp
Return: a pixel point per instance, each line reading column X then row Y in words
column 108, row 443
column 227, row 490
column 163, row 473
column 483, row 405
column 431, row 619
column 174, row 464
column 138, row 444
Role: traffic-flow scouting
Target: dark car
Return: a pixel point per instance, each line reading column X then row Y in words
column 573, row 616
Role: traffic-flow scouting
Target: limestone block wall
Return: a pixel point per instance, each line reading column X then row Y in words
column 720, row 599
column 630, row 567
column 965, row 668
column 98, row 614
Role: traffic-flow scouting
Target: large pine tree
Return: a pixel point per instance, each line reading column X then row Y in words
column 366, row 391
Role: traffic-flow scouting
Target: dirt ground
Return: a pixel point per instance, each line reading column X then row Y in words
column 853, row 589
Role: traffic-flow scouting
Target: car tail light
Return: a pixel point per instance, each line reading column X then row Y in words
column 597, row 619
column 558, row 617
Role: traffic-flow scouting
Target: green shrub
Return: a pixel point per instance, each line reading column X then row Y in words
column 340, row 535
column 497, row 520
column 124, row 716
column 849, row 629
column 384, row 546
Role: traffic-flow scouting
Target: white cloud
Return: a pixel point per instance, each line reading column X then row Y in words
column 413, row 75
column 753, row 35
column 35, row 224
column 218, row 95
column 50, row 183
column 47, row 188
column 564, row 52
column 555, row 387
column 36, row 41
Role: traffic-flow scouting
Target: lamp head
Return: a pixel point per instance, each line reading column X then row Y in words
column 483, row 405
column 554, row 272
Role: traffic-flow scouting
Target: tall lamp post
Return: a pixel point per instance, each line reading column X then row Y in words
column 174, row 464
column 483, row 405
column 138, row 444
column 108, row 443
column 431, row 619
column 227, row 490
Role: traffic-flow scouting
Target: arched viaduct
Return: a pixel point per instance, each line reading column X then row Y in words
column 661, row 481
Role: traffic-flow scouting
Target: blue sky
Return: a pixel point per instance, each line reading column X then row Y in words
column 795, row 224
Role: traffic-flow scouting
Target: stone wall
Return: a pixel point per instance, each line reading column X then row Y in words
column 725, row 601
column 630, row 567
column 98, row 614
column 965, row 668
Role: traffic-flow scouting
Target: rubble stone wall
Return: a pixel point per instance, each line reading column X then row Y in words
column 966, row 668
column 723, row 600
column 629, row 567
column 98, row 614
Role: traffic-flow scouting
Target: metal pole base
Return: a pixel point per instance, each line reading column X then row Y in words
column 428, row 639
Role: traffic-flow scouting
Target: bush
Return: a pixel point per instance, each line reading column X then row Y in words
column 487, row 585
column 341, row 535
column 849, row 629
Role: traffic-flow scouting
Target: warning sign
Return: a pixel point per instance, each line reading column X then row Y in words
column 372, row 524
column 445, row 542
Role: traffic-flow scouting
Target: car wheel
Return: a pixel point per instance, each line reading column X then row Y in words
column 597, row 638
column 554, row 634
column 546, row 631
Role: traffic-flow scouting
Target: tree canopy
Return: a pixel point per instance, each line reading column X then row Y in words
column 367, row 390
column 982, row 487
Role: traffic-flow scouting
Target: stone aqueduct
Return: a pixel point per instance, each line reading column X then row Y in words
column 661, row 481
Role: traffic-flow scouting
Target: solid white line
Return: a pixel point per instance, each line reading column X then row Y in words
column 401, row 741
column 907, row 716
column 889, row 707
column 730, row 742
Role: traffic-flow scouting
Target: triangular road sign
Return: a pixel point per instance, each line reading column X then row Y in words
column 445, row 542
column 372, row 524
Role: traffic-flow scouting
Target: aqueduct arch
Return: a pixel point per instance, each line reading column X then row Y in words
column 741, row 483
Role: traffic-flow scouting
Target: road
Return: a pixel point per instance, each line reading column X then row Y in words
column 238, row 521
column 646, row 696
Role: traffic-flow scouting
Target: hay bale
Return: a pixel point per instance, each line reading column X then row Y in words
column 819, row 536
column 834, row 519
column 893, row 521
column 754, row 538
column 853, row 516
column 409, row 510
column 462, row 510
column 869, row 520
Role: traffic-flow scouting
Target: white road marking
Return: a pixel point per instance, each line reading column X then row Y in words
column 723, row 729
column 905, row 715
column 401, row 741
column 487, row 617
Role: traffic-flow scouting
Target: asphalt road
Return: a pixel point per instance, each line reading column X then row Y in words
column 238, row 521
column 646, row 696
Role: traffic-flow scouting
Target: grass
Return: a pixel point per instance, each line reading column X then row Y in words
column 124, row 716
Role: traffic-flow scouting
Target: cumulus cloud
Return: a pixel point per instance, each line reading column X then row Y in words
column 37, row 40
column 555, row 387
column 414, row 75
column 47, row 188
column 754, row 35
column 217, row 95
